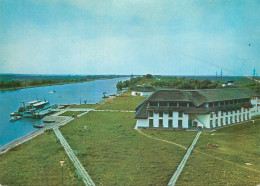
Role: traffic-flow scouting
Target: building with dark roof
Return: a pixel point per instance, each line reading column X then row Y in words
column 142, row 90
column 205, row 108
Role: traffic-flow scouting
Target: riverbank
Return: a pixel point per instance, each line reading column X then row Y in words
column 114, row 153
column 51, row 84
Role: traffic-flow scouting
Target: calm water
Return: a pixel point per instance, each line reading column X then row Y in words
column 65, row 94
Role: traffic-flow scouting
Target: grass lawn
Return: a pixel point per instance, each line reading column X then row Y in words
column 70, row 113
column 225, row 165
column 116, row 154
column 118, row 103
column 123, row 103
column 90, row 106
column 37, row 163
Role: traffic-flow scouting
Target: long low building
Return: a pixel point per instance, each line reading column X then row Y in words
column 205, row 108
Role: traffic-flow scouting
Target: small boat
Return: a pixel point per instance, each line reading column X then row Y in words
column 41, row 125
column 53, row 91
column 15, row 118
column 14, row 114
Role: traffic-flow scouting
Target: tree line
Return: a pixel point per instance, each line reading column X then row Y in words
column 168, row 82
column 39, row 82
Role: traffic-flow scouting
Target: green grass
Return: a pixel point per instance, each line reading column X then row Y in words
column 225, row 165
column 37, row 163
column 122, row 103
column 116, row 154
column 118, row 103
column 90, row 106
column 70, row 113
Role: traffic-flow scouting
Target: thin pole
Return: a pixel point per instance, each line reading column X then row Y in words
column 62, row 175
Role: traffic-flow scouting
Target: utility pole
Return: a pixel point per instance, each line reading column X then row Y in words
column 221, row 75
column 254, row 74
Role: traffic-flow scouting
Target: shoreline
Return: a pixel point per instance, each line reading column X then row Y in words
column 45, row 85
column 6, row 147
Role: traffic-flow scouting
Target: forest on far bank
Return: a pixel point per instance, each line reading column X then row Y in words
column 182, row 83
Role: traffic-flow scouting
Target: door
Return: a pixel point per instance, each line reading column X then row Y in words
column 190, row 123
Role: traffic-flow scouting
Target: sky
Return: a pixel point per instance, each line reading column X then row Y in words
column 167, row 37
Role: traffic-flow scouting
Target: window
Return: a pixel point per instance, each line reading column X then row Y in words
column 160, row 114
column 160, row 122
column 172, row 104
column 150, row 122
column 211, row 115
column 179, row 123
column 244, row 117
column 216, row 114
column 221, row 121
column 170, row 114
column 153, row 103
column 150, row 113
column 170, row 123
column 231, row 119
column 180, row 114
column 211, row 124
column 247, row 115
column 163, row 104
column 183, row 104
column 216, row 122
column 240, row 117
column 235, row 118
column 221, row 113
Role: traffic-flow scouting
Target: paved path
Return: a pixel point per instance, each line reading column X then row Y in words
column 113, row 110
column 183, row 162
column 85, row 176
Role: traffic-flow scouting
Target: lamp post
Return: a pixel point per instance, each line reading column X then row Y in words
column 85, row 129
column 61, row 163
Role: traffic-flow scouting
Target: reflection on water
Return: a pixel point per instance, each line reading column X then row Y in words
column 10, row 101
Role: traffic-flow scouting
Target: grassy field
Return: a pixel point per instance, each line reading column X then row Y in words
column 70, row 113
column 225, row 165
column 37, row 162
column 91, row 106
column 119, row 103
column 116, row 154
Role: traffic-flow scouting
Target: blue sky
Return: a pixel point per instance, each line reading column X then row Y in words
column 171, row 37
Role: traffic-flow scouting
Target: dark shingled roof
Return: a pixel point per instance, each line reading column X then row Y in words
column 197, row 97
column 145, row 88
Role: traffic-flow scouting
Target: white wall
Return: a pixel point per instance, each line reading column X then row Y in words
column 136, row 93
column 142, row 123
column 175, row 118
column 255, row 101
column 203, row 119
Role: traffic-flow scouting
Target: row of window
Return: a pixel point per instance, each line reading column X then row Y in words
column 160, row 121
column 171, row 104
column 190, row 104
column 229, row 120
column 222, row 113
column 151, row 113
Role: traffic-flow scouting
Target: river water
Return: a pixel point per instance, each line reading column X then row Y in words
column 10, row 101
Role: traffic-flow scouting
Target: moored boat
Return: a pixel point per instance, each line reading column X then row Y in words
column 15, row 118
column 41, row 125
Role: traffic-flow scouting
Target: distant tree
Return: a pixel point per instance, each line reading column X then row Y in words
column 148, row 76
